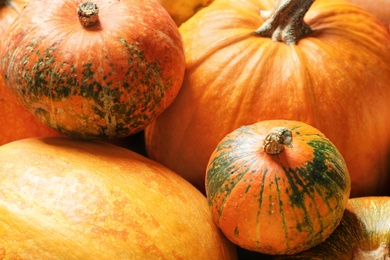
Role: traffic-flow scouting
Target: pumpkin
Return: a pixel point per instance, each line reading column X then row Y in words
column 277, row 187
column 363, row 233
column 103, row 69
column 334, row 77
column 72, row 199
column 16, row 122
column 379, row 8
column 182, row 10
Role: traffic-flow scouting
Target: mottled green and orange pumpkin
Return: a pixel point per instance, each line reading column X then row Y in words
column 98, row 70
column 277, row 187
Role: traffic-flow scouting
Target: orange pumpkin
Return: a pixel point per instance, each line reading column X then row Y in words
column 100, row 69
column 16, row 122
column 61, row 197
column 277, row 187
column 335, row 78
column 379, row 8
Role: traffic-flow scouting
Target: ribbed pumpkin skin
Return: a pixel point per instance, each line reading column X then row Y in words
column 379, row 8
column 279, row 204
column 334, row 79
column 66, row 199
column 109, row 80
column 363, row 233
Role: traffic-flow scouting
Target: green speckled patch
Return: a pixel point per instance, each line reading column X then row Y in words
column 45, row 75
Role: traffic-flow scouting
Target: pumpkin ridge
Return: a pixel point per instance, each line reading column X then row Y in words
column 284, row 223
column 233, row 182
column 258, row 229
column 297, row 199
column 215, row 48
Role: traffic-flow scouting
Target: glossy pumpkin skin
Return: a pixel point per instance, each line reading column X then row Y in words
column 334, row 79
column 277, row 204
column 379, row 8
column 65, row 198
column 363, row 233
column 16, row 122
column 108, row 80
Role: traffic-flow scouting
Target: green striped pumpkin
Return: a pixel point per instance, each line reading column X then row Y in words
column 277, row 186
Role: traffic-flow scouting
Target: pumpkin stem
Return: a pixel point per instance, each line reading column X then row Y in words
column 88, row 14
column 277, row 138
column 284, row 23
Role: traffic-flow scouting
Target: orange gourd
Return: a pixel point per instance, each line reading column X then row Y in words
column 330, row 70
column 102, row 69
column 71, row 199
column 277, row 187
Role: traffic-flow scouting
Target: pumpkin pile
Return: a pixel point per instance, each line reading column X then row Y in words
column 173, row 129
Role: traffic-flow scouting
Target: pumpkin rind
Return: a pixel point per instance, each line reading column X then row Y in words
column 108, row 80
column 379, row 8
column 363, row 233
column 16, row 122
column 277, row 204
column 334, row 79
column 69, row 199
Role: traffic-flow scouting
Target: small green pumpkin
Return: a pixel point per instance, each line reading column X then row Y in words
column 277, row 186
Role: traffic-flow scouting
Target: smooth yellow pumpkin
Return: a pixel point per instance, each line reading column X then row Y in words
column 68, row 199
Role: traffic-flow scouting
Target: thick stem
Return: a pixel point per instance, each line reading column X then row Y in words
column 88, row 14
column 285, row 22
column 277, row 138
